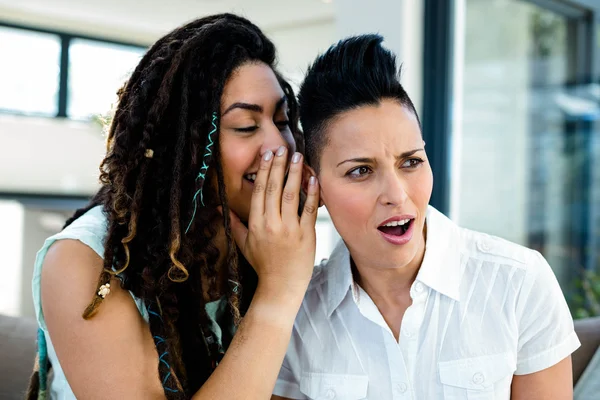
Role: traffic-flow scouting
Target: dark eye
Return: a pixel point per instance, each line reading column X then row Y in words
column 359, row 172
column 412, row 163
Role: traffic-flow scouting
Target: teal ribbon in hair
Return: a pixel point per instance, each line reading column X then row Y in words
column 203, row 169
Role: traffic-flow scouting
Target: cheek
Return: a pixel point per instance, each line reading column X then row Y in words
column 237, row 156
column 349, row 206
column 421, row 186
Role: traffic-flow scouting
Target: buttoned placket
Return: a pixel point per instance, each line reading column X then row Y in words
column 402, row 354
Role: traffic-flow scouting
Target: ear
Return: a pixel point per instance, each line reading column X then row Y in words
column 307, row 172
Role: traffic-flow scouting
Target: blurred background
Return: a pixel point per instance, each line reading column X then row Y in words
column 508, row 92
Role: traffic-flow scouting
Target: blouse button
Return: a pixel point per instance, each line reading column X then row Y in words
column 484, row 246
column 478, row 378
column 330, row 394
column 401, row 387
column 419, row 287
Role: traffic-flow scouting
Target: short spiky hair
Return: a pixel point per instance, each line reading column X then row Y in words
column 355, row 72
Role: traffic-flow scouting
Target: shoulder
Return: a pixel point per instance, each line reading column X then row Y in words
column 73, row 258
column 71, row 261
column 69, row 279
column 495, row 250
column 511, row 268
column 90, row 229
column 68, row 268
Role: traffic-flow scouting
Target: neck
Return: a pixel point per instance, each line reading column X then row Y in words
column 389, row 287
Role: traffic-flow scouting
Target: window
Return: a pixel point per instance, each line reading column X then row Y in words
column 29, row 72
column 96, row 71
column 37, row 78
column 527, row 148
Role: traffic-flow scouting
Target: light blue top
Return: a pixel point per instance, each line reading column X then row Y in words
column 90, row 229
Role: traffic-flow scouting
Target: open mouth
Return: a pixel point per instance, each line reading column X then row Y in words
column 397, row 228
column 250, row 177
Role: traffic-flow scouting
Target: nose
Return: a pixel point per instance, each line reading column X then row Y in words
column 272, row 139
column 393, row 189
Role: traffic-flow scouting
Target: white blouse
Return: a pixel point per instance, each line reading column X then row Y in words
column 483, row 310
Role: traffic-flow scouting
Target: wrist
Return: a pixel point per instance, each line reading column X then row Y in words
column 278, row 303
column 281, row 291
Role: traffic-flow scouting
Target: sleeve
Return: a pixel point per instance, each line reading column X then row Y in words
column 546, row 332
column 288, row 382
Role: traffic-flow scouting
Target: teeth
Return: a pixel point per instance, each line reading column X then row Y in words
column 397, row 223
column 251, row 177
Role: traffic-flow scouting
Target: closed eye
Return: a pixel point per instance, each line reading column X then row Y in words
column 246, row 129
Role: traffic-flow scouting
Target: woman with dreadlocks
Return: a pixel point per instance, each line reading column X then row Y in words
column 143, row 291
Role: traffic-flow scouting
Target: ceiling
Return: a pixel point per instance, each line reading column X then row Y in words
column 157, row 17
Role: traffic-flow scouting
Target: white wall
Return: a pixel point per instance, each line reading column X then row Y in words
column 52, row 156
column 298, row 46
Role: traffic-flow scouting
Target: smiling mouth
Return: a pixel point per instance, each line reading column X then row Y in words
column 396, row 228
column 250, row 177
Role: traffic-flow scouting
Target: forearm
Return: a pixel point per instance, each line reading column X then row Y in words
column 252, row 362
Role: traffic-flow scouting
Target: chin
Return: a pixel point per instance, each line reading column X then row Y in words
column 399, row 257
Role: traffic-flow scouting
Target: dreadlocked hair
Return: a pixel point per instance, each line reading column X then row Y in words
column 168, row 106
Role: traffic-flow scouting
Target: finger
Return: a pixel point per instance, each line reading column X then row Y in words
column 239, row 231
column 257, row 205
column 309, row 213
column 275, row 185
column 291, row 192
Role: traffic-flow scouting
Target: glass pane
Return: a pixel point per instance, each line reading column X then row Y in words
column 29, row 72
column 527, row 143
column 96, row 71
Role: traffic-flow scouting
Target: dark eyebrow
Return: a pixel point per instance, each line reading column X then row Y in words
column 356, row 160
column 370, row 160
column 254, row 107
column 244, row 106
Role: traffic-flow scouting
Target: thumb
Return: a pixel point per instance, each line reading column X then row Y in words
column 239, row 231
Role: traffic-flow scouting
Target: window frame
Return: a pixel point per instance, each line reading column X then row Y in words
column 65, row 39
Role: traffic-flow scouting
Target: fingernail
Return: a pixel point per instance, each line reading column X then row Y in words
column 296, row 158
column 312, row 180
column 280, row 151
column 268, row 155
